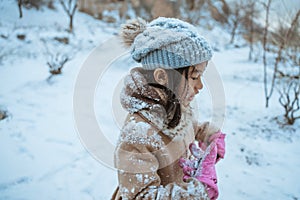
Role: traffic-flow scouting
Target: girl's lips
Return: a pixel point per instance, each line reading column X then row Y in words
column 191, row 98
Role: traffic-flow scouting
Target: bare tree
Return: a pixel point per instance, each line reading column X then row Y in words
column 70, row 9
column 56, row 57
column 268, row 94
column 289, row 99
column 252, row 29
column 192, row 10
column 282, row 45
column 235, row 19
column 20, row 8
column 290, row 90
column 231, row 14
column 218, row 12
column 57, row 62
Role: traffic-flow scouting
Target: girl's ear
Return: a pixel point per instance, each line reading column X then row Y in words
column 160, row 76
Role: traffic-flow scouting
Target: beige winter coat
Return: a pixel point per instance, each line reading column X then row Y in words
column 147, row 154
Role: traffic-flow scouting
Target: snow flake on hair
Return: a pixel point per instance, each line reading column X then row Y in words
column 138, row 97
column 132, row 104
column 135, row 86
column 176, row 133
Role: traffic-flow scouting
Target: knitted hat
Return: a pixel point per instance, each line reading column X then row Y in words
column 166, row 43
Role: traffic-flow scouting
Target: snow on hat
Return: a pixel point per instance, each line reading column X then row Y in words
column 166, row 43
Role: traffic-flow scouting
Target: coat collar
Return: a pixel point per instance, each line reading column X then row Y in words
column 138, row 97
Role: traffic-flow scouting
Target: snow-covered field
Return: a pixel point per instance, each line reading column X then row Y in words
column 41, row 156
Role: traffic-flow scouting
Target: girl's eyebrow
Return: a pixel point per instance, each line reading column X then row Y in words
column 198, row 71
column 195, row 70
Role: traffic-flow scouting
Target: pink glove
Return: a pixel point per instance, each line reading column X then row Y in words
column 218, row 139
column 202, row 165
column 207, row 172
column 220, row 142
column 190, row 166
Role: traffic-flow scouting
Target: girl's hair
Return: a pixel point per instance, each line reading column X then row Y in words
column 171, row 91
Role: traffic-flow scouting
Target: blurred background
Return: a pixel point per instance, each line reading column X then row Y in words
column 44, row 43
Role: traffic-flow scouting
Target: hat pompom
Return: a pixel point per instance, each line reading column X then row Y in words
column 131, row 29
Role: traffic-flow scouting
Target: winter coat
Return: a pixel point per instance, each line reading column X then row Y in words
column 147, row 153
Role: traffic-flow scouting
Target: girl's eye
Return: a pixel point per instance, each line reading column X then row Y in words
column 194, row 78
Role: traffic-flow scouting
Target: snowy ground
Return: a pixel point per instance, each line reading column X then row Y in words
column 42, row 156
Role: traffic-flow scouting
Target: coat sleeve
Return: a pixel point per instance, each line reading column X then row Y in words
column 137, row 173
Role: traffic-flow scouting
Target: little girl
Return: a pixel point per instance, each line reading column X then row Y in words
column 162, row 153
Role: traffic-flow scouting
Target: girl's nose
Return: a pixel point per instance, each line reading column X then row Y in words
column 199, row 85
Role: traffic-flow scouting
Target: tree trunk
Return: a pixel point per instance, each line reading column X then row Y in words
column 251, row 34
column 267, row 96
column 20, row 8
column 71, row 24
column 233, row 32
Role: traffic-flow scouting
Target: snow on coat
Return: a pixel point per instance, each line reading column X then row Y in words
column 147, row 152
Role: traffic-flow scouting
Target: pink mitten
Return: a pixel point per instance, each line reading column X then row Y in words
column 202, row 163
column 190, row 166
column 220, row 142
column 218, row 139
column 206, row 173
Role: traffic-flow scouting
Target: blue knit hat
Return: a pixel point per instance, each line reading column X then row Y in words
column 165, row 43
